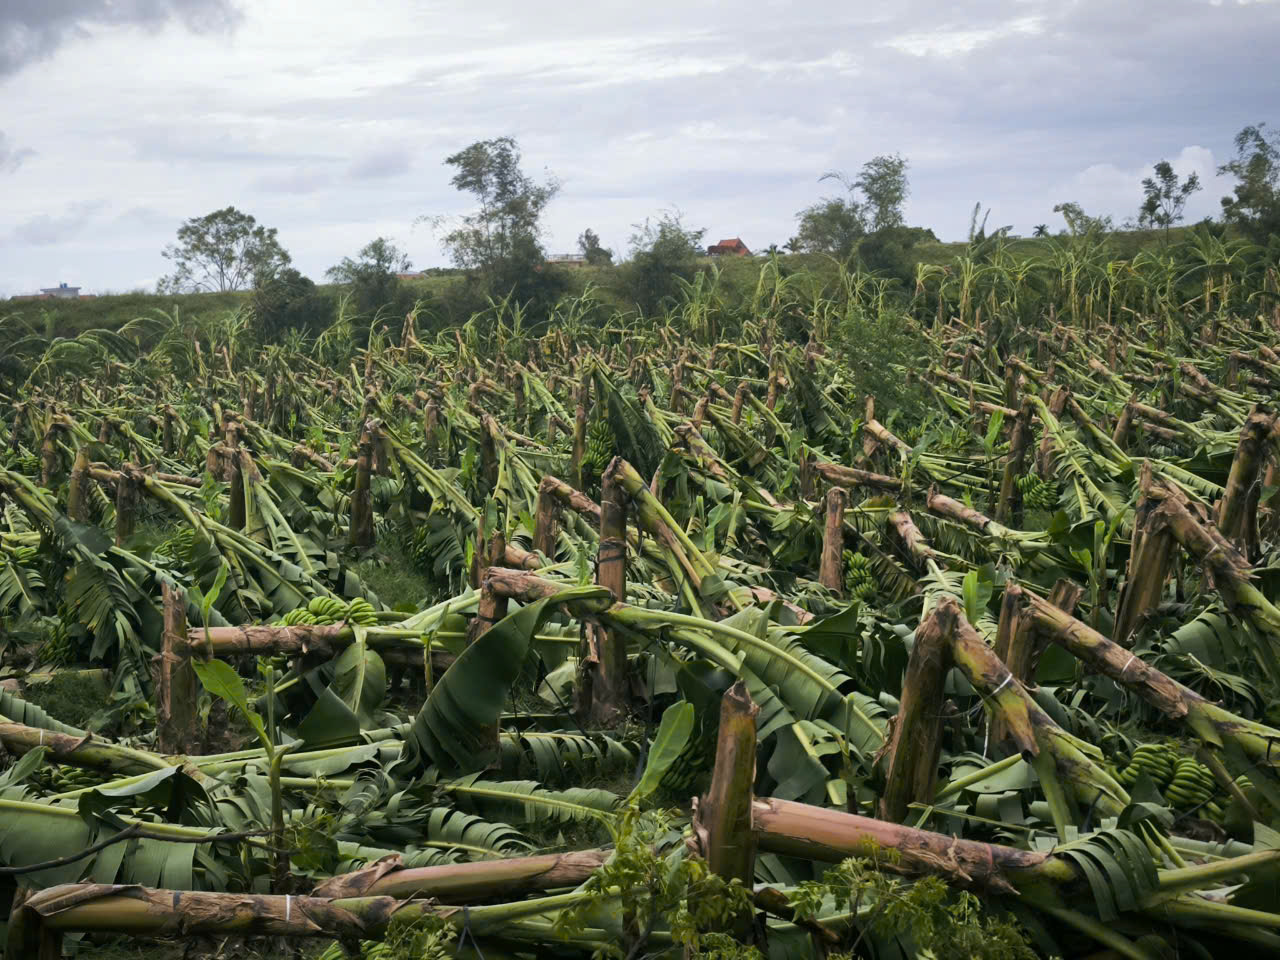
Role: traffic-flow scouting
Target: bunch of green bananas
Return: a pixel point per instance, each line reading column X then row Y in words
column 859, row 580
column 330, row 610
column 1186, row 783
column 63, row 778
column 327, row 610
column 25, row 556
column 1156, row 760
column 600, row 447
column 75, row 778
column 1038, row 492
column 683, row 775
column 58, row 649
column 298, row 617
column 420, row 546
column 1193, row 787
column 360, row 611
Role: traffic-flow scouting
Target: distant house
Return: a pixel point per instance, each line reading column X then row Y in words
column 729, row 248
column 572, row 260
column 61, row 292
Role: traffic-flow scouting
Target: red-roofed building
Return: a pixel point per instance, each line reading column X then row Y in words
column 729, row 248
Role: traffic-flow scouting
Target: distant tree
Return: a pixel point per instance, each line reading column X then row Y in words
column 502, row 240
column 597, row 255
column 372, row 275
column 891, row 251
column 661, row 251
column 833, row 226
column 1165, row 198
column 872, row 202
column 1079, row 223
column 883, row 181
column 221, row 251
column 1254, row 205
column 1041, row 230
column 290, row 301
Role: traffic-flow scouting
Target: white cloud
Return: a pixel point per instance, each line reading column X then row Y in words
column 951, row 42
column 45, row 229
column 1105, row 189
column 11, row 158
column 331, row 120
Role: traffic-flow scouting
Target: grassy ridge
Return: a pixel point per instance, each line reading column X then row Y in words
column 737, row 277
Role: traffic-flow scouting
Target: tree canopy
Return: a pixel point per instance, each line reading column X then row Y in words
column 596, row 254
column 221, row 251
column 834, row 226
column 1081, row 224
column 883, row 182
column 872, row 201
column 372, row 275
column 1165, row 197
column 1254, row 204
column 663, row 252
column 507, row 225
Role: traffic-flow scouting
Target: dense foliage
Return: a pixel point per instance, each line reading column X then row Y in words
column 991, row 553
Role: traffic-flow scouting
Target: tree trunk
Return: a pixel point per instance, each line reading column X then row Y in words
column 831, row 569
column 1237, row 514
column 49, row 455
column 126, row 503
column 491, row 551
column 177, row 692
column 573, row 498
column 236, row 494
column 1124, row 426
column 546, row 521
column 722, row 817
column 913, row 539
column 1210, row 722
column 604, row 665
column 853, row 477
column 739, row 396
column 1152, row 553
column 579, row 445
column 461, row 882
column 77, row 491
column 1009, row 511
column 167, row 433
column 361, row 532
column 916, row 738
column 820, row 833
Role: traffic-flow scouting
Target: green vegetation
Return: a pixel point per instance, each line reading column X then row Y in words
column 804, row 609
column 223, row 251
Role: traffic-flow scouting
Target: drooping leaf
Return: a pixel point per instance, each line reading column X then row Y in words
column 673, row 735
column 456, row 728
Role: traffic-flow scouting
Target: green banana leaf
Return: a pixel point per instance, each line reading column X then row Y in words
column 456, row 729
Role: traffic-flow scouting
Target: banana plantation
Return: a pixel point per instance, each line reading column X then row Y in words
column 711, row 652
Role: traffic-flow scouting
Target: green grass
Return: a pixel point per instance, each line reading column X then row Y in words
column 57, row 318
column 72, row 696
column 738, row 276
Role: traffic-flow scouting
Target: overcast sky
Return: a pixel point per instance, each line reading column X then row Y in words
column 330, row 119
